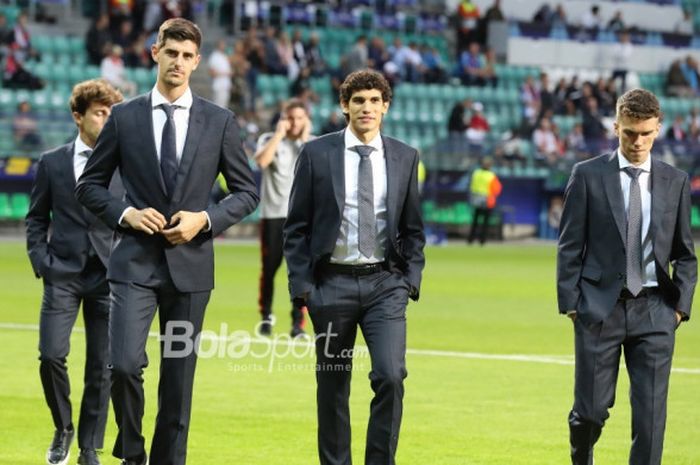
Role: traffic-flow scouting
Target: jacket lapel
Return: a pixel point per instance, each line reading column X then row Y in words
column 393, row 174
column 67, row 165
column 336, row 162
column 144, row 122
column 659, row 189
column 613, row 191
column 194, row 131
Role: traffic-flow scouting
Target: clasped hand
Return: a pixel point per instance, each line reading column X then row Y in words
column 183, row 225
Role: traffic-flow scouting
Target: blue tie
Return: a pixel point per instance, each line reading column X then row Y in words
column 168, row 150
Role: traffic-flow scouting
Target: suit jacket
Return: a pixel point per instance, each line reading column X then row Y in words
column 591, row 261
column 213, row 145
column 316, row 207
column 61, row 234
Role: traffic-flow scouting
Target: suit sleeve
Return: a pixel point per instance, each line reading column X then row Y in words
column 243, row 194
column 92, row 189
column 685, row 264
column 572, row 242
column 411, row 234
column 38, row 217
column 297, row 228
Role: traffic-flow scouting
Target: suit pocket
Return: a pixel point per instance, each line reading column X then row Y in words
column 591, row 273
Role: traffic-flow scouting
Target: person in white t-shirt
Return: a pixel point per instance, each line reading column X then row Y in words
column 220, row 72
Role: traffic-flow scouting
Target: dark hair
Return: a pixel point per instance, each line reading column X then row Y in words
column 179, row 29
column 95, row 90
column 638, row 104
column 295, row 103
column 365, row 79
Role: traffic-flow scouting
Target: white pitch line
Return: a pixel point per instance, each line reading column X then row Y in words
column 546, row 359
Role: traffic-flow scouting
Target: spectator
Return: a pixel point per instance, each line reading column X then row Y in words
column 676, row 83
column 16, row 76
column 23, row 40
column 593, row 129
column 377, row 53
column 690, row 71
column 467, row 21
column 530, row 99
column 559, row 95
column 559, row 16
column 478, row 127
column 125, row 35
column 408, row 60
column 591, row 20
column 221, row 73
column 314, row 57
column 685, row 25
column 301, row 86
column 254, row 50
column 113, row 70
column 298, row 49
column 471, row 66
column 241, row 99
column 286, row 54
column 605, row 94
column 98, row 39
column 622, row 56
column 434, row 70
column 25, row 128
column 547, row 99
column 357, row 57
column 545, row 141
column 273, row 61
column 575, row 141
column 616, row 23
column 676, row 132
column 333, row 124
column 488, row 74
column 494, row 12
column 457, row 122
column 693, row 118
column 6, row 34
column 543, row 15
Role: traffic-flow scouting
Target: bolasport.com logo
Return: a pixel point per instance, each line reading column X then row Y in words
column 252, row 352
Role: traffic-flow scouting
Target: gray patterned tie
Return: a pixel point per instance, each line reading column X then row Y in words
column 168, row 149
column 367, row 231
column 634, row 233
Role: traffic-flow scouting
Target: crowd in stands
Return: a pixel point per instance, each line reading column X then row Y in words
column 15, row 50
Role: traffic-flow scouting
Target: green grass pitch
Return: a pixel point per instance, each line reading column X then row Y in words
column 462, row 407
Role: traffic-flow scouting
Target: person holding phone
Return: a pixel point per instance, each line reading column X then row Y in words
column 276, row 156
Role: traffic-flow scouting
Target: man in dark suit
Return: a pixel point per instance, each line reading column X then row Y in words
column 626, row 218
column 170, row 145
column 354, row 249
column 69, row 248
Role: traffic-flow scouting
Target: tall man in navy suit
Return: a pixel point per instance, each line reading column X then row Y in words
column 170, row 146
column 354, row 249
column 626, row 220
column 69, row 248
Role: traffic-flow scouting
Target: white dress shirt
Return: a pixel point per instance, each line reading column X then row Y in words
column 81, row 152
column 347, row 250
column 648, row 266
column 181, row 116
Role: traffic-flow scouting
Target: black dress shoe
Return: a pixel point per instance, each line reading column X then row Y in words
column 88, row 457
column 143, row 460
column 59, row 450
column 297, row 331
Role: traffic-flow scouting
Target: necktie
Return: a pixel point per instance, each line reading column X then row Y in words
column 168, row 149
column 634, row 233
column 367, row 230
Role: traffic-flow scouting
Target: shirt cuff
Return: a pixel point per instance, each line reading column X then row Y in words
column 570, row 312
column 208, row 227
column 121, row 218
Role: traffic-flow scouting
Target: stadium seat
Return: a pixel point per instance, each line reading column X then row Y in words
column 5, row 208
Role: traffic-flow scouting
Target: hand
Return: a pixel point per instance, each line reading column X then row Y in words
column 283, row 126
column 184, row 226
column 148, row 220
column 679, row 317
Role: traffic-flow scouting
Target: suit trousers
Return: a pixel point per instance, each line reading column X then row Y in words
column 644, row 328
column 59, row 311
column 132, row 310
column 271, row 250
column 376, row 303
column 480, row 224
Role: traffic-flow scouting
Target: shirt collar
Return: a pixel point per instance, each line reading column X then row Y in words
column 624, row 163
column 185, row 100
column 351, row 140
column 80, row 146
